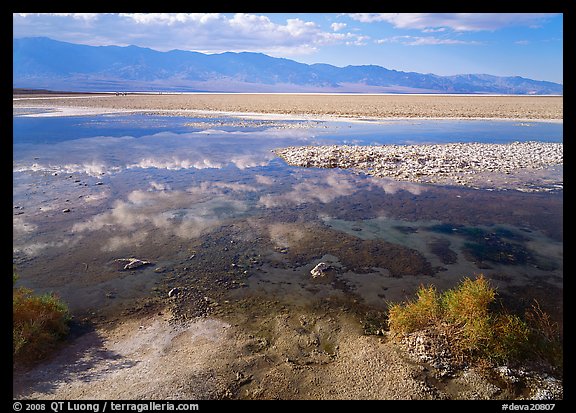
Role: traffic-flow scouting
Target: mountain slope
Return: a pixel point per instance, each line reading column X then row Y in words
column 45, row 63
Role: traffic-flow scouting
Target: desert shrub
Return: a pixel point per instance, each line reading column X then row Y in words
column 39, row 323
column 510, row 338
column 545, row 340
column 478, row 330
column 469, row 301
column 417, row 314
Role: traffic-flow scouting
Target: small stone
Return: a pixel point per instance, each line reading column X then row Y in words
column 135, row 263
column 132, row 263
column 66, row 210
column 173, row 292
column 320, row 270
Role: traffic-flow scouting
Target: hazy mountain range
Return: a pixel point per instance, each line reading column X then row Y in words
column 41, row 62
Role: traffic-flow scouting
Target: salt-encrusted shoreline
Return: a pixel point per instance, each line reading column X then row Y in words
column 312, row 106
column 451, row 163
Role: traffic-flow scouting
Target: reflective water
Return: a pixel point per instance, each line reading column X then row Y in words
column 214, row 204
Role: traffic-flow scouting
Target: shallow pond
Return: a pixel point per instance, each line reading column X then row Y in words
column 207, row 198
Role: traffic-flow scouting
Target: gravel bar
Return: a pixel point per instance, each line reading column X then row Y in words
column 428, row 163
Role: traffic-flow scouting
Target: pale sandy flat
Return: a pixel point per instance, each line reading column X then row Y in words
column 356, row 106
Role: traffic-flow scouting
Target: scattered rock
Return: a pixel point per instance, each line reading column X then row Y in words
column 66, row 210
column 135, row 263
column 173, row 292
column 544, row 387
column 132, row 263
column 320, row 270
column 242, row 379
column 431, row 346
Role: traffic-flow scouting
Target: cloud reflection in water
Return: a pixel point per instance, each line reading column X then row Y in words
column 194, row 210
column 183, row 213
column 165, row 150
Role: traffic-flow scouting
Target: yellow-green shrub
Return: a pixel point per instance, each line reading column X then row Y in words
column 476, row 329
column 39, row 322
column 415, row 315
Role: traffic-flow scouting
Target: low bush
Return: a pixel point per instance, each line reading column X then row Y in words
column 39, row 323
column 479, row 330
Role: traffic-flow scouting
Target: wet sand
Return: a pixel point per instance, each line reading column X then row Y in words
column 212, row 359
column 354, row 106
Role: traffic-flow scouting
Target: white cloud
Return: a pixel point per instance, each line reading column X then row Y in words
column 76, row 16
column 171, row 18
column 338, row 26
column 424, row 41
column 454, row 21
column 203, row 32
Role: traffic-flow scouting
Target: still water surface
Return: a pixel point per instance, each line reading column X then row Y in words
column 208, row 196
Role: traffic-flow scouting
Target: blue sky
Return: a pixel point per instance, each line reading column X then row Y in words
column 503, row 44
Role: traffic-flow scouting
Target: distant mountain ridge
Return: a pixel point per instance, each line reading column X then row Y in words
column 40, row 62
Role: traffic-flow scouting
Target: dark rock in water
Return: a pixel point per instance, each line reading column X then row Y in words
column 66, row 210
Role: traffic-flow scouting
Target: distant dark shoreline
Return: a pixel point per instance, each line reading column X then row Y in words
column 26, row 91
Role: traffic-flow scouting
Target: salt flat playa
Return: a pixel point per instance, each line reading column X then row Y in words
column 334, row 105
